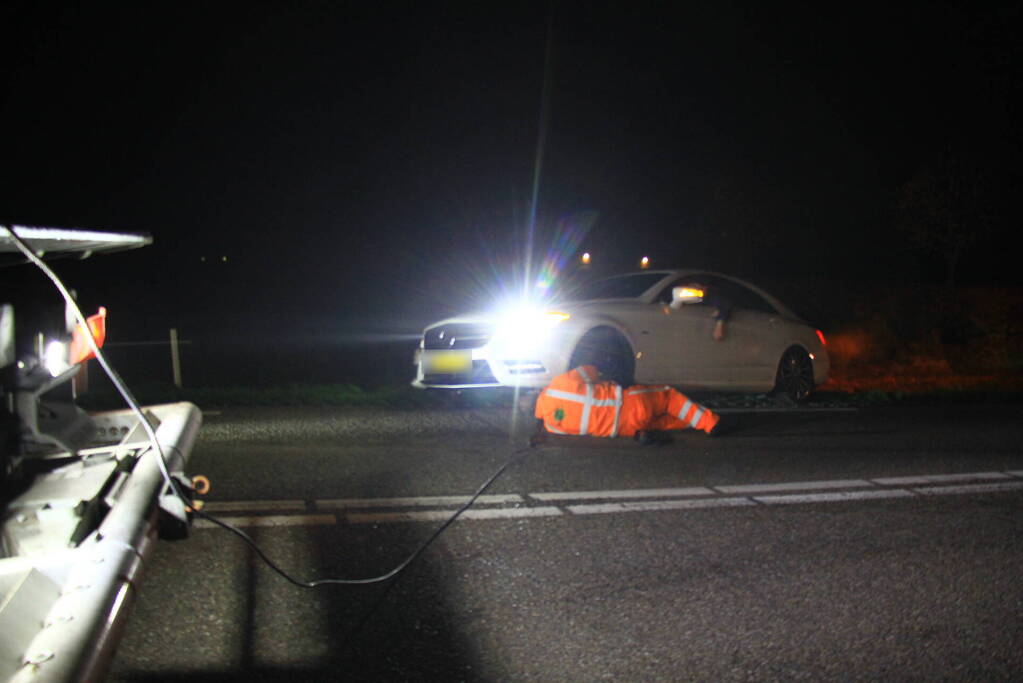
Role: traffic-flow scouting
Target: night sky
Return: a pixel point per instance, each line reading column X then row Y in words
column 365, row 161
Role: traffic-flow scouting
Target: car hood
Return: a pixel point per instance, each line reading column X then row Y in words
column 478, row 317
column 571, row 307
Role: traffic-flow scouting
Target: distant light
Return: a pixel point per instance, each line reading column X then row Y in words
column 585, row 258
column 644, row 262
column 223, row 259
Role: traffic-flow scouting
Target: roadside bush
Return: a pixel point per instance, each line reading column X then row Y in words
column 923, row 328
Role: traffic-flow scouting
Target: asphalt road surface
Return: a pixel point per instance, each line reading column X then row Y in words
column 874, row 544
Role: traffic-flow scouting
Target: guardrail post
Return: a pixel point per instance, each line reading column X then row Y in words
column 175, row 357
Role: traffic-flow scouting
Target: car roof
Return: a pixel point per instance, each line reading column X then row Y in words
column 668, row 275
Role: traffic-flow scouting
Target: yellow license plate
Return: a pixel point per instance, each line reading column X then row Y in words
column 446, row 362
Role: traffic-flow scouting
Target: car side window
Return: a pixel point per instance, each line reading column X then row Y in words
column 741, row 297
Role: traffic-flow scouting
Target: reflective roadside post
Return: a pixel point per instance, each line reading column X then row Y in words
column 175, row 357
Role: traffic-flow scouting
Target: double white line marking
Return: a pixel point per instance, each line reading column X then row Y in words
column 561, row 503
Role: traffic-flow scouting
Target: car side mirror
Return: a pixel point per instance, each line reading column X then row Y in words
column 685, row 295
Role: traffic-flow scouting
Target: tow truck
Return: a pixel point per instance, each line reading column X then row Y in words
column 83, row 496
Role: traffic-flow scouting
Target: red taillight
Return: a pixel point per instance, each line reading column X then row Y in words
column 820, row 335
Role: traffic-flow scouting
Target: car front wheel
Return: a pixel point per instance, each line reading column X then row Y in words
column 795, row 375
column 608, row 350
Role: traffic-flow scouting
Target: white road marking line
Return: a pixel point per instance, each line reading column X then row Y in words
column 419, row 501
column 796, row 486
column 969, row 488
column 254, row 506
column 996, row 484
column 938, row 478
column 270, row 521
column 649, row 506
column 438, row 515
column 626, row 493
column 832, row 497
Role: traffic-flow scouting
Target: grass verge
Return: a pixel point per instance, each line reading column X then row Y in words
column 401, row 397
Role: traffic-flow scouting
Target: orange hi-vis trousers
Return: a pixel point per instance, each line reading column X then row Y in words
column 660, row 408
column 576, row 403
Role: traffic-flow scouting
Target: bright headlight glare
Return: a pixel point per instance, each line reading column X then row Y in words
column 526, row 326
column 55, row 358
column 526, row 320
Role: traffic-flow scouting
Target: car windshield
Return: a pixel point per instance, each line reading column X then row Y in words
column 620, row 287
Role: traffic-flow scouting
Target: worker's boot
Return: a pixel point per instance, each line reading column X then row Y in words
column 722, row 427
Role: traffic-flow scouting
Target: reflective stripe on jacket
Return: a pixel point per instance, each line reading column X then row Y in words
column 576, row 403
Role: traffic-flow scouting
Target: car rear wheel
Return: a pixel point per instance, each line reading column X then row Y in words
column 795, row 375
column 608, row 350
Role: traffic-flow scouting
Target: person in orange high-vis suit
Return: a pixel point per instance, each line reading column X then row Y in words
column 579, row 402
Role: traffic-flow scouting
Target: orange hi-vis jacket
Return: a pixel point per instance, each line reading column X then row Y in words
column 577, row 403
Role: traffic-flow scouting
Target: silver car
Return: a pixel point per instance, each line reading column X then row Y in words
column 651, row 327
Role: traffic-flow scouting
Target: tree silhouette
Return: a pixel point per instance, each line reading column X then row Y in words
column 944, row 209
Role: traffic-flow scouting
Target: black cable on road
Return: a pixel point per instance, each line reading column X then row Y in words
column 515, row 457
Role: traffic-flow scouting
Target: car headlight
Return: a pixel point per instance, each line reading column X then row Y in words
column 521, row 330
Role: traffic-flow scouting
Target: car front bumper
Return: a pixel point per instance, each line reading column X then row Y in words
column 486, row 370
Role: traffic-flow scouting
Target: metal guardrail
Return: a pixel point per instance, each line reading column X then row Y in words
column 173, row 342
